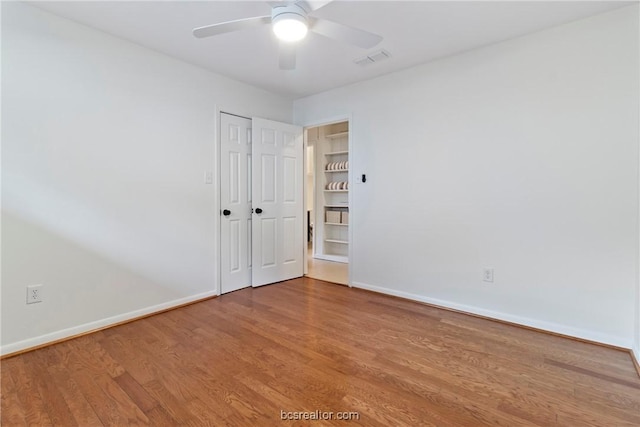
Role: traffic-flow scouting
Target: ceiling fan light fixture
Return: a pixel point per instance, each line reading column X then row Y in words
column 290, row 23
column 290, row 29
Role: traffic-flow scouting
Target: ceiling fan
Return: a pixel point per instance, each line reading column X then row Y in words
column 291, row 21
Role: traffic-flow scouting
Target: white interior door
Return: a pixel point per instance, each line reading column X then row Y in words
column 235, row 202
column 277, row 202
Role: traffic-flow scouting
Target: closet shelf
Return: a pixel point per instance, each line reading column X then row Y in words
column 336, row 223
column 337, row 135
column 337, row 170
column 337, row 206
column 342, row 242
column 336, row 153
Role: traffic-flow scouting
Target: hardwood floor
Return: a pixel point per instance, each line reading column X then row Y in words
column 305, row 345
column 335, row 272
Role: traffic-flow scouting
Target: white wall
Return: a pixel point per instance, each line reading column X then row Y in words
column 520, row 156
column 105, row 145
column 636, row 345
column 636, row 342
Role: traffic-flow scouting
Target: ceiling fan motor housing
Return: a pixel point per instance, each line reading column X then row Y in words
column 288, row 11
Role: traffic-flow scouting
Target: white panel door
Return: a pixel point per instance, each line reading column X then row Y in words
column 278, row 239
column 235, row 202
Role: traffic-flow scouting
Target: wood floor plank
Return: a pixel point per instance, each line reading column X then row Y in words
column 158, row 416
column 27, row 393
column 125, row 348
column 126, row 407
column 581, row 370
column 203, row 414
column 55, row 404
column 136, row 392
column 11, row 409
column 108, row 401
column 306, row 345
column 175, row 409
column 75, row 399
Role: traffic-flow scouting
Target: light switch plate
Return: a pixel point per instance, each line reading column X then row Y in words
column 487, row 275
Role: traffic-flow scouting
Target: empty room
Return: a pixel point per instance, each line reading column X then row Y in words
column 368, row 213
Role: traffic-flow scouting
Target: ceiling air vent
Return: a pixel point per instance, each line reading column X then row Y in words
column 376, row 56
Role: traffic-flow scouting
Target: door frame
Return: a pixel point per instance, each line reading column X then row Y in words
column 305, row 127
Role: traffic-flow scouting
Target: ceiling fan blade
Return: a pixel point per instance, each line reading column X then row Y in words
column 313, row 5
column 343, row 33
column 230, row 26
column 287, row 58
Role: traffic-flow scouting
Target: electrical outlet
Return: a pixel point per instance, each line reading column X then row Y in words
column 34, row 294
column 487, row 275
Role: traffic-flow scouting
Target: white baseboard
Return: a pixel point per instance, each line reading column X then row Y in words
column 533, row 323
column 99, row 324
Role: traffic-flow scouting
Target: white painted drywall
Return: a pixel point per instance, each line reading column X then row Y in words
column 105, row 145
column 636, row 344
column 520, row 156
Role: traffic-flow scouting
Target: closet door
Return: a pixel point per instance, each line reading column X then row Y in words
column 235, row 202
column 277, row 184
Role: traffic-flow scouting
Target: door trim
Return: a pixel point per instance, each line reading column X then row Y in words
column 323, row 122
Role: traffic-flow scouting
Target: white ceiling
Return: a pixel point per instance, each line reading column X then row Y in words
column 414, row 32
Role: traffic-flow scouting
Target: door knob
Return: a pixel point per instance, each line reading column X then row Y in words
column 226, row 212
column 258, row 210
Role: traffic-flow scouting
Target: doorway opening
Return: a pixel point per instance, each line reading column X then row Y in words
column 327, row 198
